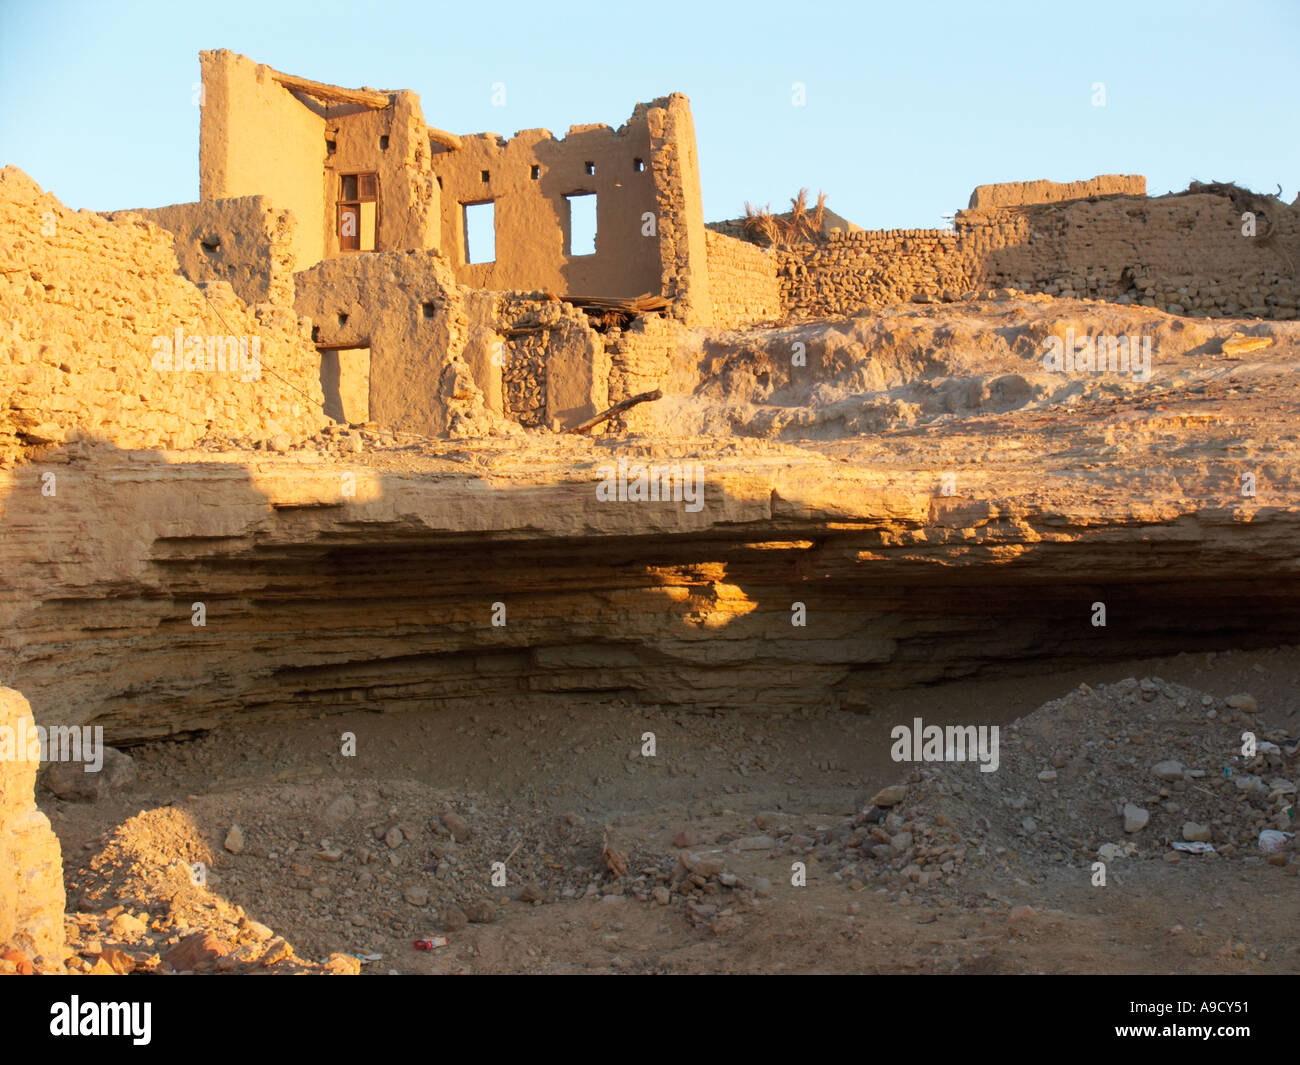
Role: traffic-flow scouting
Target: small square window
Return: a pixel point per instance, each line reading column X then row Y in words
column 536, row 172
column 343, row 319
column 638, row 165
column 427, row 309
column 486, row 177
column 331, row 147
column 590, row 168
column 383, row 143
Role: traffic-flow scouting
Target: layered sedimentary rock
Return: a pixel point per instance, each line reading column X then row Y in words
column 31, row 863
column 798, row 579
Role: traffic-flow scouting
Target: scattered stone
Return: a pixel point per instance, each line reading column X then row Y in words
column 456, row 825
column 1243, row 702
column 702, row 864
column 194, row 951
column 416, row 896
column 454, row 919
column 126, row 927
column 1194, row 833
column 1168, row 770
column 73, row 782
column 1135, row 818
column 341, row 809
column 482, row 911
column 276, row 951
column 890, row 796
column 235, row 840
column 686, row 838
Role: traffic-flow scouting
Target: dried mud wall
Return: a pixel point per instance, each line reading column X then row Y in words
column 1021, row 193
column 245, row 242
column 1185, row 254
column 258, row 138
column 532, row 215
column 742, row 282
column 393, row 143
column 88, row 309
column 442, row 352
column 31, row 864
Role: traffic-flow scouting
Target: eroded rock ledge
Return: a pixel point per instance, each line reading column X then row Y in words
column 316, row 599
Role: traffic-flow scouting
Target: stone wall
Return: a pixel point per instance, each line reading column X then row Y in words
column 684, row 279
column 31, row 864
column 245, row 242
column 1184, row 253
column 870, row 268
column 742, row 282
column 88, row 310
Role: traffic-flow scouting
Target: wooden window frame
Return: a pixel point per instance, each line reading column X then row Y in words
column 367, row 191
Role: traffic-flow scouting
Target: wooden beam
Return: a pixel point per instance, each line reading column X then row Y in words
column 366, row 98
column 447, row 140
column 617, row 408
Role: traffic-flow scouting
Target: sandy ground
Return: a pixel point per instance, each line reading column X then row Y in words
column 544, row 793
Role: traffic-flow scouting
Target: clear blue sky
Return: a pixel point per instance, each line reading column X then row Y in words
column 908, row 106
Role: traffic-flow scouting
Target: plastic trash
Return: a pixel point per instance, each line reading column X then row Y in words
column 1195, row 847
column 430, row 942
column 1271, row 840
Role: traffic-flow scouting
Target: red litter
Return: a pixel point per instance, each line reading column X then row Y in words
column 431, row 943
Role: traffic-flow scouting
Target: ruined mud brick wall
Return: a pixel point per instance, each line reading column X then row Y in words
column 392, row 142
column 406, row 308
column 245, row 242
column 653, row 352
column 1184, row 254
column 743, row 287
column 1020, row 193
column 531, row 213
column 31, row 864
column 84, row 302
column 258, row 138
column 683, row 249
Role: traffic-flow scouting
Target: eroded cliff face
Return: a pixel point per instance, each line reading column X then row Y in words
column 798, row 579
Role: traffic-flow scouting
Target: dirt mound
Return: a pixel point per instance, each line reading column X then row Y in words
column 1125, row 770
column 145, row 904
